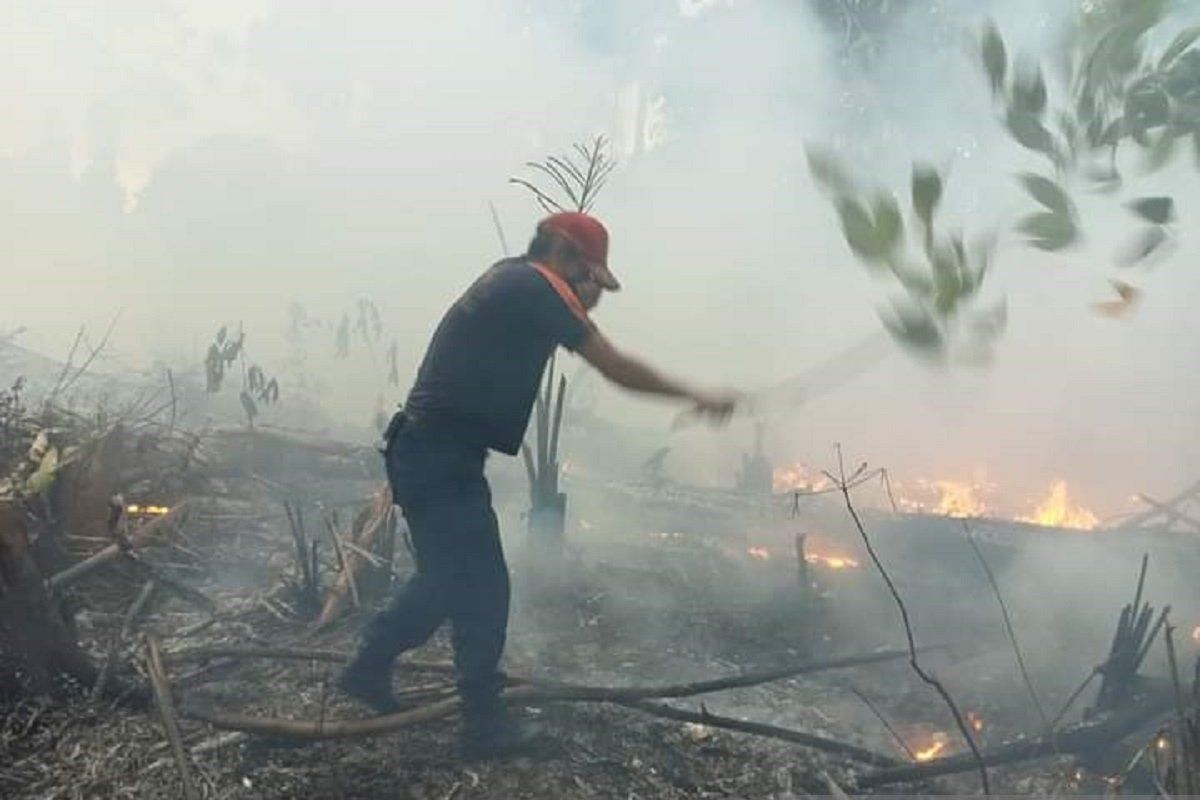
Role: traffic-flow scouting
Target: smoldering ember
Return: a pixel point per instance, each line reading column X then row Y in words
column 342, row 452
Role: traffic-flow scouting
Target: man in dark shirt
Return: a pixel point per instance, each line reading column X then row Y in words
column 474, row 392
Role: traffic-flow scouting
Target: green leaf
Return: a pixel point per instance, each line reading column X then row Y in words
column 1183, row 79
column 858, row 229
column 1049, row 231
column 889, row 226
column 926, row 191
column 1029, row 132
column 1181, row 43
column 1047, row 192
column 916, row 282
column 915, row 328
column 947, row 280
column 1029, row 90
column 1158, row 210
column 1147, row 107
column 995, row 59
column 1147, row 242
column 827, row 170
column 872, row 238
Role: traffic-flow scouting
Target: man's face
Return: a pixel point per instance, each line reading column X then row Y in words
column 579, row 275
column 588, row 292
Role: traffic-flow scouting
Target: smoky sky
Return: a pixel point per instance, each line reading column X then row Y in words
column 193, row 164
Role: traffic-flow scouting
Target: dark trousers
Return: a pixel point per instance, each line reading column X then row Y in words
column 437, row 479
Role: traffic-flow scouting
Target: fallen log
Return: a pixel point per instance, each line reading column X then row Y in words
column 159, row 527
column 166, row 713
column 526, row 692
column 1070, row 741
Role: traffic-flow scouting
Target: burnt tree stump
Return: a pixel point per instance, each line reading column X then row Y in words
column 37, row 645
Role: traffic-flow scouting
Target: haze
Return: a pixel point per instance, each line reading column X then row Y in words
column 194, row 164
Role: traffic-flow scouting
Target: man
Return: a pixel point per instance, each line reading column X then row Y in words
column 474, row 392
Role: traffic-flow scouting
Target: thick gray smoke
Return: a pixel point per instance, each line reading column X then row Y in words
column 200, row 163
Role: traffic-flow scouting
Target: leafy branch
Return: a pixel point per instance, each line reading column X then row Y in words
column 256, row 386
column 576, row 177
column 938, row 284
column 1116, row 92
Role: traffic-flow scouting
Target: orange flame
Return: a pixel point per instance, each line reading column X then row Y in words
column 761, row 553
column 152, row 511
column 798, row 477
column 976, row 721
column 933, row 750
column 962, row 499
column 831, row 561
column 1057, row 511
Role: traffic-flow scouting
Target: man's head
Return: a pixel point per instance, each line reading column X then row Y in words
column 575, row 245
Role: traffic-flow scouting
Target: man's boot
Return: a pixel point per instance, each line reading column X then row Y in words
column 490, row 733
column 368, row 679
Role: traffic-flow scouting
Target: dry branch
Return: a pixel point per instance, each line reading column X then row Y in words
column 1008, row 626
column 369, row 525
column 1074, row 740
column 843, row 483
column 144, row 535
column 531, row 693
column 703, row 717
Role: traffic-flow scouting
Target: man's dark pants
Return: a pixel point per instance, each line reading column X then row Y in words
column 437, row 479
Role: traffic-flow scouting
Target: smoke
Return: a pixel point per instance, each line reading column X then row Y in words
column 196, row 164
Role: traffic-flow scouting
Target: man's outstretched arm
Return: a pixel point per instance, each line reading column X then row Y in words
column 632, row 373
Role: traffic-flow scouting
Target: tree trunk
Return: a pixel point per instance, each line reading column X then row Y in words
column 37, row 647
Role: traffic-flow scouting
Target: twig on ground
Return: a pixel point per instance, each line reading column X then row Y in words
column 162, row 697
column 343, row 563
column 1008, row 626
column 138, row 607
column 1062, row 712
column 885, row 722
column 821, row 743
column 844, row 484
column 1081, row 738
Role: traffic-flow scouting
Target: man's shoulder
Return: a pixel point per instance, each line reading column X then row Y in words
column 512, row 277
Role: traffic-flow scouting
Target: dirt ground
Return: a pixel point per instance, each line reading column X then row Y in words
column 637, row 615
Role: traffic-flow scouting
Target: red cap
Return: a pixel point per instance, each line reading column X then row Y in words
column 589, row 235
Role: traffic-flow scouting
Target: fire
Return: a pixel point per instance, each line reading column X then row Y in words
column 831, row 561
column 948, row 498
column 1196, row 634
column 935, row 749
column 761, row 553
column 976, row 721
column 1057, row 511
column 798, row 477
column 149, row 511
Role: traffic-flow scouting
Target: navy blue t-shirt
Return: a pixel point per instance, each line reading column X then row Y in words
column 481, row 373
